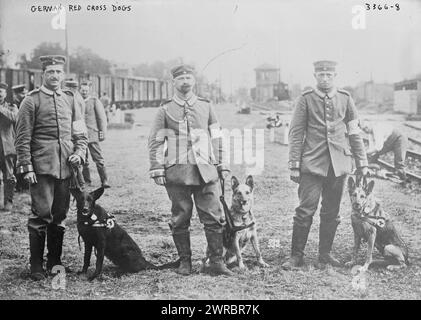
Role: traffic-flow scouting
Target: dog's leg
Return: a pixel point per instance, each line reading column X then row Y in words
column 86, row 258
column 357, row 244
column 99, row 258
column 255, row 242
column 395, row 252
column 238, row 252
column 370, row 248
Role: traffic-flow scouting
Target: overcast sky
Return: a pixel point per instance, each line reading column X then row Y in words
column 287, row 34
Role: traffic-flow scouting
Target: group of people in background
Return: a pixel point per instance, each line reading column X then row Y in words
column 96, row 117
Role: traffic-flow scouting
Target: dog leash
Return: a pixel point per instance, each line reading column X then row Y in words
column 225, row 206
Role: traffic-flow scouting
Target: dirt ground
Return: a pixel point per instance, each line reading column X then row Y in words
column 143, row 209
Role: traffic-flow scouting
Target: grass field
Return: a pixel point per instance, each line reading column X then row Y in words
column 142, row 208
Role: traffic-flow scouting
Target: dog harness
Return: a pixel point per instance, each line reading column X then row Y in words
column 231, row 229
column 378, row 221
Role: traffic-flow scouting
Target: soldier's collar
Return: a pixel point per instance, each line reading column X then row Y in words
column 50, row 92
column 191, row 101
column 330, row 94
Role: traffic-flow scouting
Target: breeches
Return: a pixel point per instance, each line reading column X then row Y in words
column 208, row 206
column 50, row 202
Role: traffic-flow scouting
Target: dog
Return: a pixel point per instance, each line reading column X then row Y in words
column 371, row 223
column 99, row 230
column 243, row 227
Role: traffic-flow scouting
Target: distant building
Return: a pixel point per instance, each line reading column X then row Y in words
column 407, row 96
column 268, row 84
column 373, row 92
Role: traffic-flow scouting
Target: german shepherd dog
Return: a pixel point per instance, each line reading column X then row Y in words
column 371, row 223
column 243, row 228
column 99, row 230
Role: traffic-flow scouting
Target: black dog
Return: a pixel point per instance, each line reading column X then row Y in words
column 100, row 230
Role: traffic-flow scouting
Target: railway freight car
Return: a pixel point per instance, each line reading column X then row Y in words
column 125, row 92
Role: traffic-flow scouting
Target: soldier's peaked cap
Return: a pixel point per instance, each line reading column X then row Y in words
column 52, row 60
column 3, row 85
column 71, row 83
column 324, row 65
column 182, row 69
column 19, row 88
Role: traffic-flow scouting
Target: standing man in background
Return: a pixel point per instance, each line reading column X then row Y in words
column 8, row 114
column 96, row 122
column 19, row 93
column 106, row 102
column 50, row 137
column 323, row 137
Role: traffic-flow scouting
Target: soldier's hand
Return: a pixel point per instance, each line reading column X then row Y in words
column 30, row 177
column 224, row 174
column 75, row 160
column 101, row 136
column 294, row 175
column 160, row 181
column 363, row 171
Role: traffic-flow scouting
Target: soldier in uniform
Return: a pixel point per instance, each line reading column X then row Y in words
column 323, row 137
column 96, row 122
column 106, row 102
column 8, row 114
column 190, row 167
column 50, row 137
column 73, row 86
column 19, row 93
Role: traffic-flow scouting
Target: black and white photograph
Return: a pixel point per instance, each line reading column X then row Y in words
column 214, row 152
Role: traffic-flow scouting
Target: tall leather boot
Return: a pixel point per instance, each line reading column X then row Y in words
column 87, row 175
column 36, row 248
column 55, row 235
column 326, row 235
column 9, row 190
column 102, row 172
column 182, row 243
column 298, row 244
column 216, row 262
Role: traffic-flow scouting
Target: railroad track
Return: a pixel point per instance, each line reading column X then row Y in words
column 411, row 154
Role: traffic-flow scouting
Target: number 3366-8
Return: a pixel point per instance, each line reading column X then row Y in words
column 374, row 6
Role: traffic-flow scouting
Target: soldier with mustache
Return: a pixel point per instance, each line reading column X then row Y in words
column 189, row 167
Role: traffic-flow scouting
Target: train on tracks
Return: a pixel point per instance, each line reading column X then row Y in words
column 125, row 92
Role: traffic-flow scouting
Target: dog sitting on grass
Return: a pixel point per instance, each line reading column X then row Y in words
column 241, row 228
column 99, row 230
column 371, row 223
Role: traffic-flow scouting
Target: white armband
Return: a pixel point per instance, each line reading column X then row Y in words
column 79, row 127
column 215, row 130
column 353, row 127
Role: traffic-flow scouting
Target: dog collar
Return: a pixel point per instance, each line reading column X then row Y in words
column 108, row 223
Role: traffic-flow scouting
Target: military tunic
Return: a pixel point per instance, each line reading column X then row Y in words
column 49, row 130
column 8, row 114
column 185, row 146
column 323, row 137
column 96, row 121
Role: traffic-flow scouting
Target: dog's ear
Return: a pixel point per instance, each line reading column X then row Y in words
column 351, row 184
column 234, row 183
column 76, row 193
column 369, row 188
column 96, row 194
column 250, row 182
